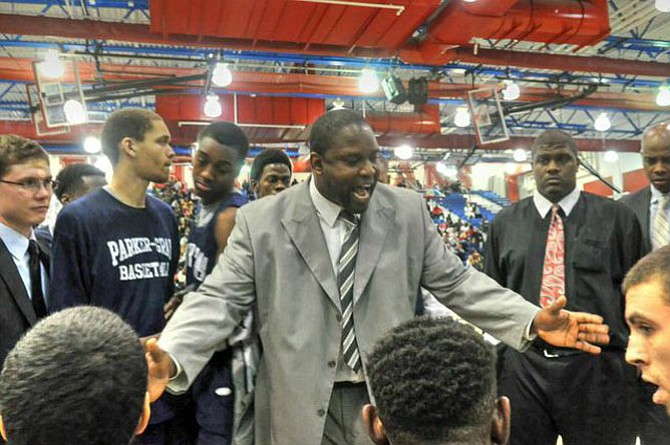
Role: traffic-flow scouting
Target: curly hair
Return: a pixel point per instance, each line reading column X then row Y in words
column 78, row 376
column 267, row 157
column 433, row 380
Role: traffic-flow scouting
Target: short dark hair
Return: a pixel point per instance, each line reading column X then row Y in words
column 78, row 376
column 267, row 157
column 655, row 266
column 127, row 122
column 433, row 381
column 227, row 133
column 554, row 137
column 71, row 178
column 18, row 150
column 325, row 132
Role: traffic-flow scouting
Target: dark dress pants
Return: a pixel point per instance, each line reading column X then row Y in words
column 588, row 400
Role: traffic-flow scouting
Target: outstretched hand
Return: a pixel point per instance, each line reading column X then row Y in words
column 161, row 368
column 579, row 330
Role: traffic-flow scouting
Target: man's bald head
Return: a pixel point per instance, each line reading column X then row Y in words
column 656, row 155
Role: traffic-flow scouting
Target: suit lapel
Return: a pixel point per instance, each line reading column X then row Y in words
column 643, row 211
column 10, row 275
column 303, row 226
column 375, row 225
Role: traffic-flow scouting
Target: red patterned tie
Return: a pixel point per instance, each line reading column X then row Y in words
column 553, row 273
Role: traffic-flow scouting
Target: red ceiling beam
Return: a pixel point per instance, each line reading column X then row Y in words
column 426, row 53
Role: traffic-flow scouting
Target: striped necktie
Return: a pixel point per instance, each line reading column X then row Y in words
column 659, row 237
column 346, row 268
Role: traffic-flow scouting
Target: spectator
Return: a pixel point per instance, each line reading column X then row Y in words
column 270, row 173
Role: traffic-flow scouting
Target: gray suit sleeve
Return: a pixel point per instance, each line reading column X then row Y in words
column 208, row 317
column 471, row 294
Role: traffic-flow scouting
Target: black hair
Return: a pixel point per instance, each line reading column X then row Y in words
column 266, row 157
column 655, row 266
column 433, row 381
column 229, row 134
column 325, row 132
column 71, row 178
column 18, row 150
column 127, row 122
column 78, row 376
column 554, row 138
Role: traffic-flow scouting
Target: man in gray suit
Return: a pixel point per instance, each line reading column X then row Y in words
column 319, row 311
column 654, row 425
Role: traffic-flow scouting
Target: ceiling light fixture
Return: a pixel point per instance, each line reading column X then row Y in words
column 663, row 96
column 611, row 156
column 92, row 145
column 212, row 106
column 462, row 117
column 368, row 82
column 520, row 155
column 404, row 152
column 511, row 90
column 602, row 122
column 338, row 104
column 75, row 112
column 52, row 67
column 222, row 76
column 663, row 5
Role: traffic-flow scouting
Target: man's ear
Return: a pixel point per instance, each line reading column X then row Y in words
column 500, row 423
column 373, row 425
column 127, row 146
column 316, row 162
column 3, row 432
column 145, row 416
column 65, row 199
column 253, row 184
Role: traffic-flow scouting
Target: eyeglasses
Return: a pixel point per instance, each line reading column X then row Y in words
column 33, row 184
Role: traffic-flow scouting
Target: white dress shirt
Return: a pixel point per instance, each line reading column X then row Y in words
column 543, row 205
column 17, row 244
column 653, row 208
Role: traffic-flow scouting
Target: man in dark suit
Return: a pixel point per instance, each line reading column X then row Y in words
column 564, row 242
column 647, row 203
column 25, row 191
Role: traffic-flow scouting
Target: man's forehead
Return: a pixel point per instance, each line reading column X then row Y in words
column 276, row 168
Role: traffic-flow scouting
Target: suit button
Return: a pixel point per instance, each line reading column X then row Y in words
column 321, row 412
column 338, row 317
column 332, row 364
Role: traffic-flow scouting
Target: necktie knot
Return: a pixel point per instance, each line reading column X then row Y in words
column 348, row 217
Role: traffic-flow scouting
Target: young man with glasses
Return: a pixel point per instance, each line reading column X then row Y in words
column 25, row 191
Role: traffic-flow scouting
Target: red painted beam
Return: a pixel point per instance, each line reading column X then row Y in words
column 428, row 53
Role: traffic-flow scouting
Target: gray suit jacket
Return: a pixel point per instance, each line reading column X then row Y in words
column 277, row 258
column 639, row 202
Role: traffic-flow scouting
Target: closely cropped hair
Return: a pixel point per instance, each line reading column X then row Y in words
column 71, row 178
column 267, row 157
column 554, row 137
column 433, row 381
column 127, row 122
column 652, row 267
column 78, row 377
column 229, row 134
column 18, row 150
column 325, row 132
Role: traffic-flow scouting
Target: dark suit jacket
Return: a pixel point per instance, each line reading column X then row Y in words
column 638, row 202
column 16, row 310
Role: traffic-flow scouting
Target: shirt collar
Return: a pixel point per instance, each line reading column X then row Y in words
column 543, row 205
column 16, row 243
column 655, row 195
column 327, row 210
